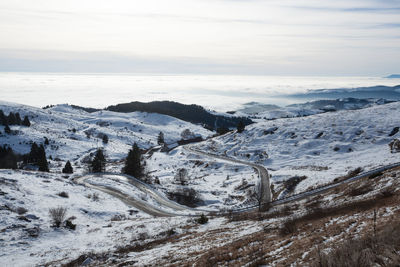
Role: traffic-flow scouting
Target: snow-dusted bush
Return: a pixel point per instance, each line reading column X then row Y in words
column 57, row 215
column 181, row 177
column 187, row 134
column 185, row 196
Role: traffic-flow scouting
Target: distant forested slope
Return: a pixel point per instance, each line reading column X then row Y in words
column 190, row 113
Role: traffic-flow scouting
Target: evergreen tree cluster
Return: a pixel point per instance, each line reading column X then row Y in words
column 13, row 119
column 37, row 156
column 133, row 164
column 192, row 113
column 98, row 164
column 8, row 159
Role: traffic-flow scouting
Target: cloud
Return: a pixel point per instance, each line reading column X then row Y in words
column 214, row 36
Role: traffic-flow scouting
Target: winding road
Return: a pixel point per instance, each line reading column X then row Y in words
column 265, row 189
column 180, row 210
column 135, row 202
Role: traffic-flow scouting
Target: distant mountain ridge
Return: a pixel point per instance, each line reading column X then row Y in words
column 393, row 76
column 190, row 113
column 377, row 92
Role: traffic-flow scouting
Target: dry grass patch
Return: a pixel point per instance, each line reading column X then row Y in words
column 382, row 249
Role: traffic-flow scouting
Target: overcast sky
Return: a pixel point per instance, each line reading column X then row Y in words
column 268, row 37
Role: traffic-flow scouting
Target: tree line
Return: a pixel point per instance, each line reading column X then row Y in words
column 37, row 156
column 190, row 113
column 13, row 119
column 132, row 166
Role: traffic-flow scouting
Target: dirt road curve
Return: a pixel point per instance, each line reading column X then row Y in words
column 137, row 203
column 266, row 195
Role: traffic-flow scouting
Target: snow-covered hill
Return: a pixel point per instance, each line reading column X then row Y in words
column 321, row 147
column 74, row 133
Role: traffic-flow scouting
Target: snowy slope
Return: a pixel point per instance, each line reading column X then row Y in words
column 74, row 133
column 102, row 224
column 322, row 146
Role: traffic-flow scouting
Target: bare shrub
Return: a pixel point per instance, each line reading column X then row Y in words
column 143, row 236
column 367, row 251
column 291, row 183
column 95, row 197
column 354, row 172
column 185, row 196
column 394, row 146
column 118, row 217
column 57, row 215
column 181, row 177
column 288, row 227
column 373, row 176
column 362, row 190
column 386, row 192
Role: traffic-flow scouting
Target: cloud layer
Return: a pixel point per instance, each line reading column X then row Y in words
column 201, row 36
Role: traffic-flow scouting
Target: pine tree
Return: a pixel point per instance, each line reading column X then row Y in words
column 3, row 119
column 7, row 129
column 37, row 156
column 18, row 120
column 42, row 160
column 33, row 155
column 46, row 141
column 26, row 121
column 133, row 165
column 8, row 159
column 160, row 138
column 68, row 168
column 240, row 126
column 11, row 119
column 105, row 139
column 98, row 164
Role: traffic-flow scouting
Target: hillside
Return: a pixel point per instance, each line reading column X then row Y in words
column 73, row 133
column 190, row 113
column 112, row 231
column 320, row 147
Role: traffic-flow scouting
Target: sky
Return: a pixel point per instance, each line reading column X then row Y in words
column 247, row 37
